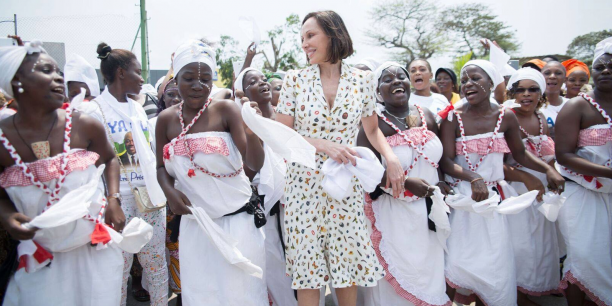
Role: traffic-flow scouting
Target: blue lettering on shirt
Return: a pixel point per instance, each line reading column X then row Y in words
column 550, row 122
column 136, row 177
column 122, row 127
column 112, row 126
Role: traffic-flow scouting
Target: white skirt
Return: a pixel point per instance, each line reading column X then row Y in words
column 536, row 252
column 277, row 280
column 83, row 276
column 411, row 254
column 585, row 221
column 480, row 256
column 207, row 278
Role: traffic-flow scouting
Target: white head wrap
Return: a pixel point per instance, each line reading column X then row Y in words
column 602, row 47
column 370, row 63
column 379, row 71
column 528, row 73
column 238, row 82
column 77, row 69
column 194, row 51
column 488, row 67
column 10, row 60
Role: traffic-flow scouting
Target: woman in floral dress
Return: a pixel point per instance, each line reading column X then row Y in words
column 327, row 239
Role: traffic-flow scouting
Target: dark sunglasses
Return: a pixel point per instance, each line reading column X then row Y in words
column 523, row 90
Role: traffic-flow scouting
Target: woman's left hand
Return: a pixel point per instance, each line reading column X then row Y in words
column 395, row 175
column 114, row 215
column 555, row 181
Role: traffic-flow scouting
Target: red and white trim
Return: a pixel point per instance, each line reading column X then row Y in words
column 47, row 169
column 206, row 145
column 471, row 166
column 415, row 147
column 376, row 238
column 52, row 193
column 537, row 146
column 189, row 152
column 593, row 137
column 569, row 278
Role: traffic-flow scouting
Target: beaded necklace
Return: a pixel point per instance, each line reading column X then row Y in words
column 471, row 166
column 417, row 148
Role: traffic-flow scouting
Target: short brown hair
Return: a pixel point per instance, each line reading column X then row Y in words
column 341, row 45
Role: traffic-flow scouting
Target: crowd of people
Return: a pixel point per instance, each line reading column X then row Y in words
column 393, row 184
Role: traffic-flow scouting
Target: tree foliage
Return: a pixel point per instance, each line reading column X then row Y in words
column 409, row 27
column 227, row 53
column 473, row 21
column 282, row 49
column 583, row 46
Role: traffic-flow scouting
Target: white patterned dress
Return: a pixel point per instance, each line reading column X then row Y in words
column 326, row 240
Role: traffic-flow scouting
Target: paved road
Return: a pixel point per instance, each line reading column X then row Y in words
column 544, row 301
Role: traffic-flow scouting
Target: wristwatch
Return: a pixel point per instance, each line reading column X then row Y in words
column 115, row 196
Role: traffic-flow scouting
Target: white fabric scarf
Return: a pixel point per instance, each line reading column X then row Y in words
column 527, row 73
column 77, row 69
column 283, row 140
column 602, row 47
column 337, row 177
column 145, row 153
column 224, row 243
column 10, row 61
column 513, row 204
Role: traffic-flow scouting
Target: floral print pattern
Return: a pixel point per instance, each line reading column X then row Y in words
column 327, row 240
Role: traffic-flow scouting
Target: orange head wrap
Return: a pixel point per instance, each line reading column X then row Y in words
column 538, row 62
column 572, row 65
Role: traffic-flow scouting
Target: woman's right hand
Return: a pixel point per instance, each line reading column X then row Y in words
column 340, row 153
column 178, row 202
column 14, row 227
column 480, row 192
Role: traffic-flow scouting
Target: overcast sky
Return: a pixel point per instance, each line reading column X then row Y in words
column 542, row 26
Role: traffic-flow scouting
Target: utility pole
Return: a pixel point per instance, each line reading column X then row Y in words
column 143, row 41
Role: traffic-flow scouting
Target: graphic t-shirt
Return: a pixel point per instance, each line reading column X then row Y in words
column 551, row 112
column 123, row 140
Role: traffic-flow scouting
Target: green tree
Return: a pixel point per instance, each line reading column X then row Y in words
column 227, row 53
column 583, row 46
column 282, row 49
column 409, row 27
column 473, row 21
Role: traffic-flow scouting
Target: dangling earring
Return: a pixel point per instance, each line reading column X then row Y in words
column 20, row 89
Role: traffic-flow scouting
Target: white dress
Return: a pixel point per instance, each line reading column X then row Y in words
column 410, row 253
column 585, row 220
column 534, row 238
column 480, row 257
column 207, row 277
column 79, row 274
